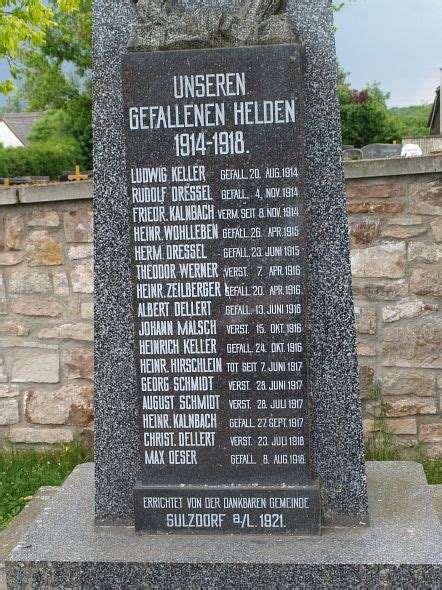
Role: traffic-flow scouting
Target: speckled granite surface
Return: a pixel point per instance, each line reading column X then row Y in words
column 336, row 428
column 401, row 548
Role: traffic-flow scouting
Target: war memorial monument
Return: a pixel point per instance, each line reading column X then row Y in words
column 228, row 432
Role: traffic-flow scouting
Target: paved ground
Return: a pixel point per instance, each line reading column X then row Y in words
column 12, row 534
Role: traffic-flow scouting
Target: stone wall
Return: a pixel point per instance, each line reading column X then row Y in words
column 428, row 143
column 46, row 331
column 396, row 252
column 46, row 311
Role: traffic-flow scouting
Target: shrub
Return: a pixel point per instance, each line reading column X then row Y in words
column 68, row 126
column 38, row 159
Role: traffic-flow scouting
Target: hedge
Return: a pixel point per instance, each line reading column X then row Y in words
column 36, row 160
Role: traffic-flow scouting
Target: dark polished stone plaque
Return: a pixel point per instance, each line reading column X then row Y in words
column 215, row 175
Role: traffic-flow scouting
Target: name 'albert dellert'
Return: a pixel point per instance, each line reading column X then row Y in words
column 211, row 114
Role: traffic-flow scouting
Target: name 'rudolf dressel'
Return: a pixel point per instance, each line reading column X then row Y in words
column 211, row 114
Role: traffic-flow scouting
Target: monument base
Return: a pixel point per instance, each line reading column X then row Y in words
column 198, row 509
column 64, row 549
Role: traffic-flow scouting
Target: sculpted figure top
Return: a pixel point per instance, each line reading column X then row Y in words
column 153, row 10
column 164, row 26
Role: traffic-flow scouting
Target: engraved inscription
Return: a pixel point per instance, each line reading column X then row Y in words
column 215, row 177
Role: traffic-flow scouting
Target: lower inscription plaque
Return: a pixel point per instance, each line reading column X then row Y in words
column 215, row 171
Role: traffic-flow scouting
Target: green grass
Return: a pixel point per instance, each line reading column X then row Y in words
column 382, row 444
column 433, row 471
column 23, row 472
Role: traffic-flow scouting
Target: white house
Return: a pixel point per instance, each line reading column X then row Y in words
column 15, row 128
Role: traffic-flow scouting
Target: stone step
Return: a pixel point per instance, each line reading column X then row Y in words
column 14, row 531
column 400, row 548
column 436, row 492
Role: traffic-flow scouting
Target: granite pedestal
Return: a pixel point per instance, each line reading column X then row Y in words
column 401, row 548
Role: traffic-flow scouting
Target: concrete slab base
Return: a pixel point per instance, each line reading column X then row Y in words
column 400, row 549
column 12, row 534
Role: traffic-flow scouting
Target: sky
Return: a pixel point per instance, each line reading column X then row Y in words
column 395, row 42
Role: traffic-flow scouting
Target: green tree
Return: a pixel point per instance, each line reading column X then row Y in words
column 14, row 103
column 412, row 120
column 25, row 23
column 364, row 114
column 53, row 129
column 57, row 78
